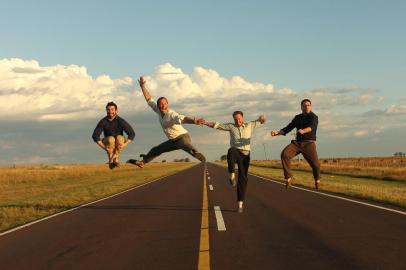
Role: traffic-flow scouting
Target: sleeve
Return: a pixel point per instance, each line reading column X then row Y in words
column 176, row 118
column 97, row 131
column 314, row 122
column 289, row 127
column 256, row 124
column 224, row 127
column 128, row 129
column 153, row 105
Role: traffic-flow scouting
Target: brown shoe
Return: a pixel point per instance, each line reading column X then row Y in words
column 317, row 184
column 288, row 182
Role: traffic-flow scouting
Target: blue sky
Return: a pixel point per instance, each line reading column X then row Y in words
column 350, row 48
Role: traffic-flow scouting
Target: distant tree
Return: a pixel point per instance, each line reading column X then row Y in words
column 223, row 157
column 187, row 159
column 399, row 154
column 164, row 160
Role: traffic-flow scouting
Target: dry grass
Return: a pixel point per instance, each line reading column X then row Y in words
column 385, row 168
column 32, row 192
column 372, row 189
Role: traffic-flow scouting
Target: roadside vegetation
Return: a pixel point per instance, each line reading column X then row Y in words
column 28, row 193
column 381, row 180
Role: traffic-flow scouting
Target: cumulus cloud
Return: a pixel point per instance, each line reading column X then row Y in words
column 31, row 91
column 360, row 133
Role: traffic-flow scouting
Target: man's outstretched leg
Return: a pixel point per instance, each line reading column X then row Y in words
column 184, row 142
column 153, row 153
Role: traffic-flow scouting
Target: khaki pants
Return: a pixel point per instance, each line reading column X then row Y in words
column 309, row 152
column 114, row 145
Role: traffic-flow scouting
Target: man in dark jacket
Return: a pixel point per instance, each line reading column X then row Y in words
column 114, row 141
column 305, row 143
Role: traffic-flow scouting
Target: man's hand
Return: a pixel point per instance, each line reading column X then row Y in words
column 142, row 81
column 275, row 133
column 262, row 119
column 199, row 121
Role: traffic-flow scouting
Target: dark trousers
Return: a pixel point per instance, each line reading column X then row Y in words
column 243, row 161
column 309, row 152
column 181, row 142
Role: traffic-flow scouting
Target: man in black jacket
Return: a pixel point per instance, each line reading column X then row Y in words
column 113, row 127
column 305, row 143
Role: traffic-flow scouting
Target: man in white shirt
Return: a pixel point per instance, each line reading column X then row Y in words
column 171, row 122
column 239, row 152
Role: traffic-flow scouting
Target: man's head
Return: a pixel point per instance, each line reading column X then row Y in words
column 111, row 109
column 238, row 118
column 306, row 105
column 162, row 104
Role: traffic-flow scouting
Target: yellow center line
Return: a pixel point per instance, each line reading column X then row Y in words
column 204, row 251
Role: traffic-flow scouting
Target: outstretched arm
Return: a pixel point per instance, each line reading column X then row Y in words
column 194, row 120
column 277, row 132
column 144, row 89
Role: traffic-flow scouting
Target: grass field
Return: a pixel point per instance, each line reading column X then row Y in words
column 385, row 168
column 32, row 192
column 391, row 192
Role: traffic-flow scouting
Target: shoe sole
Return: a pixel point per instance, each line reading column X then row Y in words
column 200, row 157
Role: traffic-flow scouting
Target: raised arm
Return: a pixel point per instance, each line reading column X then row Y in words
column 144, row 89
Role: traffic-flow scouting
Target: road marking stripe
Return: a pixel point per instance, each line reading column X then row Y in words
column 219, row 217
column 204, row 250
column 211, row 187
column 83, row 205
column 334, row 196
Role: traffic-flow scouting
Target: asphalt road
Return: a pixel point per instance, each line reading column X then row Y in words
column 158, row 226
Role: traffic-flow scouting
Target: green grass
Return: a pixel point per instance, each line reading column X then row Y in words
column 382, row 191
column 30, row 193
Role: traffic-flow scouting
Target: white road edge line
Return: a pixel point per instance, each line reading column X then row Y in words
column 219, row 217
column 210, row 187
column 83, row 205
column 335, row 196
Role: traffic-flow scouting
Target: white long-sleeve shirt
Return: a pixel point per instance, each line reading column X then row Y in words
column 171, row 122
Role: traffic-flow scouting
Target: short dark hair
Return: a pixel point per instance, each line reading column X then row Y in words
column 304, row 100
column 111, row 103
column 159, row 99
column 237, row 112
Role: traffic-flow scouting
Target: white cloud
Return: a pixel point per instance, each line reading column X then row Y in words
column 360, row 133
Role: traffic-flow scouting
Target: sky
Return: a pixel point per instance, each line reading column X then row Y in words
column 62, row 61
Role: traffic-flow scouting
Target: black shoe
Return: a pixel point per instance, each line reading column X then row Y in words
column 199, row 156
column 131, row 161
column 112, row 165
column 139, row 163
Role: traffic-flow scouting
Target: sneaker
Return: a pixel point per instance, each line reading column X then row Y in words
column 288, row 182
column 199, row 156
column 232, row 179
column 317, row 184
column 139, row 163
